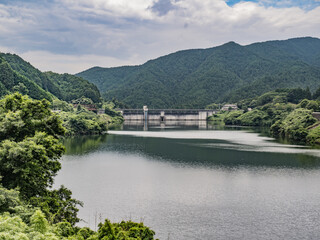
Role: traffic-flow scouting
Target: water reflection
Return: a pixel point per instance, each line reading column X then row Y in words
column 196, row 184
column 83, row 144
column 211, row 148
column 149, row 125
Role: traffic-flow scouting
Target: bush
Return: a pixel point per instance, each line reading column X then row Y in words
column 231, row 118
column 294, row 126
column 252, row 118
column 313, row 136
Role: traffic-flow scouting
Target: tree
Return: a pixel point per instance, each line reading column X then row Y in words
column 11, row 203
column 29, row 155
column 297, row 94
column 316, row 95
column 30, row 148
column 22, row 117
column 30, row 164
column 58, row 205
column 124, row 230
column 21, row 88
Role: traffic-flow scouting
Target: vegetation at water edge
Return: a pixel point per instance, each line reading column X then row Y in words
column 30, row 149
column 287, row 112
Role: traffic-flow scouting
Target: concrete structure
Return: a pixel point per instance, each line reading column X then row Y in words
column 90, row 107
column 101, row 111
column 229, row 107
column 316, row 115
column 162, row 115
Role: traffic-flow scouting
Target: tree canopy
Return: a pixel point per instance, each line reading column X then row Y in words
column 29, row 148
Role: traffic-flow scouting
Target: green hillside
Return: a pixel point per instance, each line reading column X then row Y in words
column 64, row 86
column 198, row 77
column 73, row 87
column 11, row 81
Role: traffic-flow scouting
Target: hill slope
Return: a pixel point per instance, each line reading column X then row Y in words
column 64, row 86
column 195, row 78
column 11, row 81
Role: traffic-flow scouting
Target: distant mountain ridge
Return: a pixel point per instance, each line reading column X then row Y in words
column 15, row 73
column 227, row 73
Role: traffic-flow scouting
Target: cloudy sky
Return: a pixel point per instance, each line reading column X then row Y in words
column 73, row 35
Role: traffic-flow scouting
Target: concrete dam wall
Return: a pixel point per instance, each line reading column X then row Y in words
column 166, row 114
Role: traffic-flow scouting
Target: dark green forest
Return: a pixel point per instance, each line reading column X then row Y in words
column 19, row 75
column 12, row 81
column 198, row 77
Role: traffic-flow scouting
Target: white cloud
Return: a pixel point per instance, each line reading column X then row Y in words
column 77, row 34
column 46, row 61
column 119, row 8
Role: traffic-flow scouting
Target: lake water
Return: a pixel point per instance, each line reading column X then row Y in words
column 195, row 181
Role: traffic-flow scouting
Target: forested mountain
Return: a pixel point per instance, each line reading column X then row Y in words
column 14, row 70
column 73, row 87
column 198, row 77
column 11, row 81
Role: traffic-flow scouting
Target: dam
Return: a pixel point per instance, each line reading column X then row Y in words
column 162, row 115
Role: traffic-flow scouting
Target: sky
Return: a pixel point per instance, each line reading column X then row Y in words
column 73, row 35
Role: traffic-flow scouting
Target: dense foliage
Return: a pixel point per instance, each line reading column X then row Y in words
column 29, row 154
column 295, row 125
column 29, row 159
column 313, row 136
column 11, row 81
column 278, row 111
column 228, row 73
column 83, row 122
column 19, row 75
column 72, row 87
column 21, row 221
column 29, row 147
column 80, row 121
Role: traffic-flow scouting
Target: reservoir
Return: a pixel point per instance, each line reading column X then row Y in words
column 196, row 181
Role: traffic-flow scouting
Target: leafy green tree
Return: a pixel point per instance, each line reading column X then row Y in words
column 22, row 117
column 82, row 100
column 112, row 112
column 253, row 118
column 29, row 155
column 13, row 228
column 30, row 148
column 58, row 205
column 294, row 126
column 11, row 203
column 21, row 88
column 30, row 164
column 313, row 136
column 61, row 105
column 124, row 231
column 84, row 122
column 213, row 106
column 38, row 222
column 297, row 94
column 231, row 118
